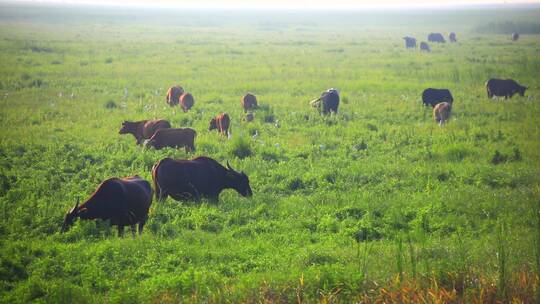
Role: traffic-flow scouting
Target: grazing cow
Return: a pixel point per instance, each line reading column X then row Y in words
column 328, row 102
column 173, row 138
column 515, row 36
column 424, row 47
column 173, row 95
column 432, row 96
column 186, row 101
column 441, row 112
column 249, row 117
column 452, row 37
column 504, row 87
column 123, row 201
column 436, row 37
column 410, row 42
column 143, row 129
column 196, row 178
column 221, row 122
column 249, row 102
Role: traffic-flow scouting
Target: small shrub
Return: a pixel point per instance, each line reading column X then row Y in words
column 110, row 104
column 241, row 147
column 108, row 60
column 56, row 62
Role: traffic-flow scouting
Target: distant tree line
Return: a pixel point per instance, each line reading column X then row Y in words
column 508, row 27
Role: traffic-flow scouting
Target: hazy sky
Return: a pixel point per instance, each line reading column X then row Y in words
column 288, row 3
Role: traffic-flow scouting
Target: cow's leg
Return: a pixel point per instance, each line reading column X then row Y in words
column 141, row 225
column 133, row 230
column 120, row 231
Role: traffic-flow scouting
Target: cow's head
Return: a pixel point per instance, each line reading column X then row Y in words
column 213, row 124
column 127, row 127
column 239, row 181
column 70, row 217
column 521, row 90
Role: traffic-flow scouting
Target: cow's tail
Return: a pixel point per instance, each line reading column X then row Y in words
column 157, row 189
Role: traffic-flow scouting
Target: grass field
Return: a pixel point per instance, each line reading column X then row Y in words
column 377, row 202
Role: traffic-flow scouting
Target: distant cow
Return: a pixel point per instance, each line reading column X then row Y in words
column 504, row 87
column 424, row 47
column 196, row 178
column 436, row 37
column 328, row 102
column 249, row 102
column 249, row 117
column 441, row 112
column 515, row 36
column 143, row 129
column 410, row 42
column 432, row 96
column 452, row 37
column 221, row 122
column 123, row 201
column 173, row 138
column 173, row 95
column 186, row 101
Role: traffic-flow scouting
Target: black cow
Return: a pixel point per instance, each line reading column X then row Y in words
column 328, row 102
column 193, row 179
column 452, row 37
column 123, row 201
column 424, row 47
column 410, row 42
column 436, row 37
column 432, row 96
column 515, row 36
column 504, row 87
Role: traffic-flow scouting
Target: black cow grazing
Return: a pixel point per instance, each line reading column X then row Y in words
column 328, row 102
column 193, row 179
column 123, row 201
column 452, row 37
column 424, row 47
column 515, row 36
column 504, row 87
column 432, row 96
column 436, row 37
column 410, row 42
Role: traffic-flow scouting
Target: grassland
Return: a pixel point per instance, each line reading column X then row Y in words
column 375, row 202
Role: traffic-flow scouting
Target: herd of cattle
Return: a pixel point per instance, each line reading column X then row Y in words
column 126, row 201
column 410, row 42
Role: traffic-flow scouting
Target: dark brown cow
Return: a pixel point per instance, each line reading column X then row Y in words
column 186, row 101
column 143, row 129
column 441, row 112
column 122, row 201
column 221, row 122
column 249, row 102
column 173, row 95
column 436, row 37
column 452, row 37
column 193, row 179
column 515, row 36
column 504, row 87
column 424, row 47
column 173, row 138
column 410, row 42
column 328, row 102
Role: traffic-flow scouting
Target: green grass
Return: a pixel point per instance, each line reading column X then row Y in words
column 340, row 203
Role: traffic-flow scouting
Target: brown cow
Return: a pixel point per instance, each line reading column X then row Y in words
column 186, row 101
column 249, row 102
column 123, row 201
column 221, row 122
column 143, row 129
column 174, row 138
column 173, row 95
column 441, row 112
